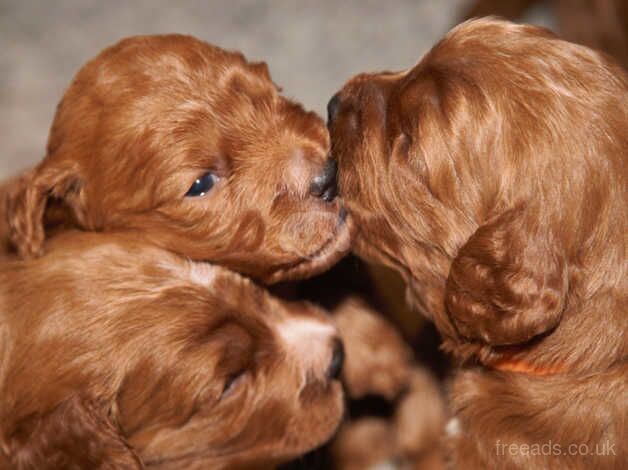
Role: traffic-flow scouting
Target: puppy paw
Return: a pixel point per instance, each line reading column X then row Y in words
column 377, row 358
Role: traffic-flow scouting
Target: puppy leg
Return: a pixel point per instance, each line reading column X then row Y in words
column 366, row 443
column 419, row 423
column 377, row 358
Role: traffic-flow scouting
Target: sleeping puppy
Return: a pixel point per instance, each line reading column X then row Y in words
column 193, row 149
column 116, row 354
column 493, row 177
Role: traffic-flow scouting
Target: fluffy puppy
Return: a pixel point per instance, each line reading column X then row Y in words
column 193, row 149
column 601, row 24
column 493, row 177
column 116, row 354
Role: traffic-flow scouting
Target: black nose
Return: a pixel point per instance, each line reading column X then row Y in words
column 332, row 108
column 337, row 360
column 324, row 185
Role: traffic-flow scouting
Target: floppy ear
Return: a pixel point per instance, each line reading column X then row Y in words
column 27, row 199
column 508, row 283
column 74, row 435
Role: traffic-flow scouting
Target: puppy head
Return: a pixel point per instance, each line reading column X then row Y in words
column 465, row 174
column 158, row 360
column 192, row 148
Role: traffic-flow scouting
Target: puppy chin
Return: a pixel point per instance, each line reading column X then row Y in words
column 323, row 405
column 319, row 260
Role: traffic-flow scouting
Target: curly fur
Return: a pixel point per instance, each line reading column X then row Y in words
column 149, row 115
column 493, row 177
column 117, row 354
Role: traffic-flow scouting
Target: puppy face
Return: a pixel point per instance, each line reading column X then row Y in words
column 157, row 360
column 465, row 173
column 192, row 148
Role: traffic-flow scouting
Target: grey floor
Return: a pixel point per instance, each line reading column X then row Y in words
column 312, row 47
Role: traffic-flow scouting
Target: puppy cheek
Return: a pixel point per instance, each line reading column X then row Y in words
column 250, row 233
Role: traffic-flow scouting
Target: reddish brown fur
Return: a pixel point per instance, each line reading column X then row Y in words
column 149, row 115
column 115, row 354
column 378, row 364
column 601, row 24
column 363, row 443
column 411, row 439
column 378, row 361
column 4, row 227
column 493, row 176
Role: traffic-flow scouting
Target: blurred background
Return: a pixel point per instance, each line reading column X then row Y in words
column 311, row 47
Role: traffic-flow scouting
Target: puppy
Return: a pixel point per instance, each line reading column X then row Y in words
column 190, row 148
column 116, row 354
column 493, row 177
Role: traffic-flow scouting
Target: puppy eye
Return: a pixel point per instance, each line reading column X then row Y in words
column 202, row 185
column 232, row 383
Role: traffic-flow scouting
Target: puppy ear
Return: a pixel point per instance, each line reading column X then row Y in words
column 27, row 199
column 74, row 435
column 508, row 283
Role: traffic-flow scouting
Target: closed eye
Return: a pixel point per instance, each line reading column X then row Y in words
column 232, row 382
column 202, row 185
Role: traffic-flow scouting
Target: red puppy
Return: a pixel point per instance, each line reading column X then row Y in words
column 116, row 354
column 190, row 148
column 493, row 177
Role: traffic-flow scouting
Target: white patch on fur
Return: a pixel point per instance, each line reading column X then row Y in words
column 453, row 427
column 309, row 343
column 198, row 272
column 202, row 273
column 296, row 330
